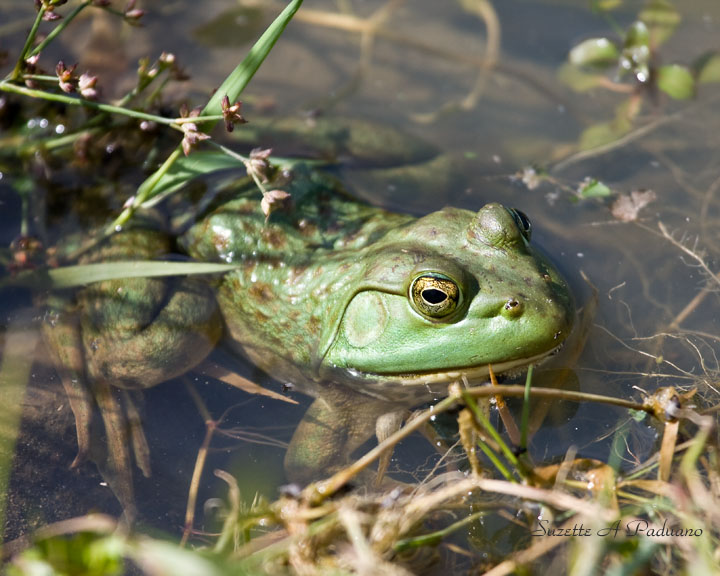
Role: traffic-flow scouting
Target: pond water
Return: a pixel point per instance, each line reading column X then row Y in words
column 425, row 67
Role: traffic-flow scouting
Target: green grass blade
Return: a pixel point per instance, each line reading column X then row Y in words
column 71, row 276
column 82, row 274
column 235, row 83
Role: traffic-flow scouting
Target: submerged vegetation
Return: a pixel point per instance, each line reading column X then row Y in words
column 486, row 503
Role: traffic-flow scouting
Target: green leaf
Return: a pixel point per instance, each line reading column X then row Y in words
column 637, row 35
column 579, row 80
column 660, row 12
column 636, row 52
column 676, row 81
column 605, row 5
column 592, row 188
column 159, row 558
column 708, row 68
column 594, row 52
column 605, row 133
column 70, row 276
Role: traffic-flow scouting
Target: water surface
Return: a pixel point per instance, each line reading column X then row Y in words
column 416, row 71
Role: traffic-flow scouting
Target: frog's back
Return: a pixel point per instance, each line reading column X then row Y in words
column 294, row 268
column 319, row 215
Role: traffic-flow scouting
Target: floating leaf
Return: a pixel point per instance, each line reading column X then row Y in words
column 637, row 35
column 605, row 5
column 579, row 80
column 603, row 133
column 661, row 18
column 676, row 81
column 607, row 132
column 592, row 188
column 594, row 52
column 708, row 68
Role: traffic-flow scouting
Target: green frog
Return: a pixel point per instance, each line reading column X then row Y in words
column 370, row 312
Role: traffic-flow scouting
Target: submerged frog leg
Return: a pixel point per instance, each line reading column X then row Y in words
column 137, row 435
column 181, row 334
column 115, row 465
column 185, row 325
column 332, row 429
column 61, row 333
column 386, row 425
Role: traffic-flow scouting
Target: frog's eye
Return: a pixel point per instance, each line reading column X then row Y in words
column 522, row 221
column 434, row 295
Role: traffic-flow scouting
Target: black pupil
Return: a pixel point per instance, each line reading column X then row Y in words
column 433, row 296
column 522, row 220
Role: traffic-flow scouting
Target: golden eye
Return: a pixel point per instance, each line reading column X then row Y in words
column 434, row 295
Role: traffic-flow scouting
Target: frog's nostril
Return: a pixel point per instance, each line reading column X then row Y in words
column 513, row 308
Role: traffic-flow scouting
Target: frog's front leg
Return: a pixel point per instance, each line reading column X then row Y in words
column 335, row 425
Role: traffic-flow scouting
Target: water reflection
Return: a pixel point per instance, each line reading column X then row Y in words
column 427, row 68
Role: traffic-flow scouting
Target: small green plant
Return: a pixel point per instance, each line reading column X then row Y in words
column 630, row 63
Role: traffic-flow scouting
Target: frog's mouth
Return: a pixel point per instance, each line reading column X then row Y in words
column 405, row 387
column 469, row 373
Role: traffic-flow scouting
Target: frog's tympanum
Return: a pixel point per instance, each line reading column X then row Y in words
column 369, row 312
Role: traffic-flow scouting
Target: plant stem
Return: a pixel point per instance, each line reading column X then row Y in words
column 59, row 28
column 145, row 190
column 490, row 430
column 525, row 421
column 72, row 101
column 20, row 64
column 435, row 538
column 40, row 78
column 6, row 86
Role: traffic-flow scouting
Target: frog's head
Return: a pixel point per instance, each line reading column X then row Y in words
column 447, row 296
